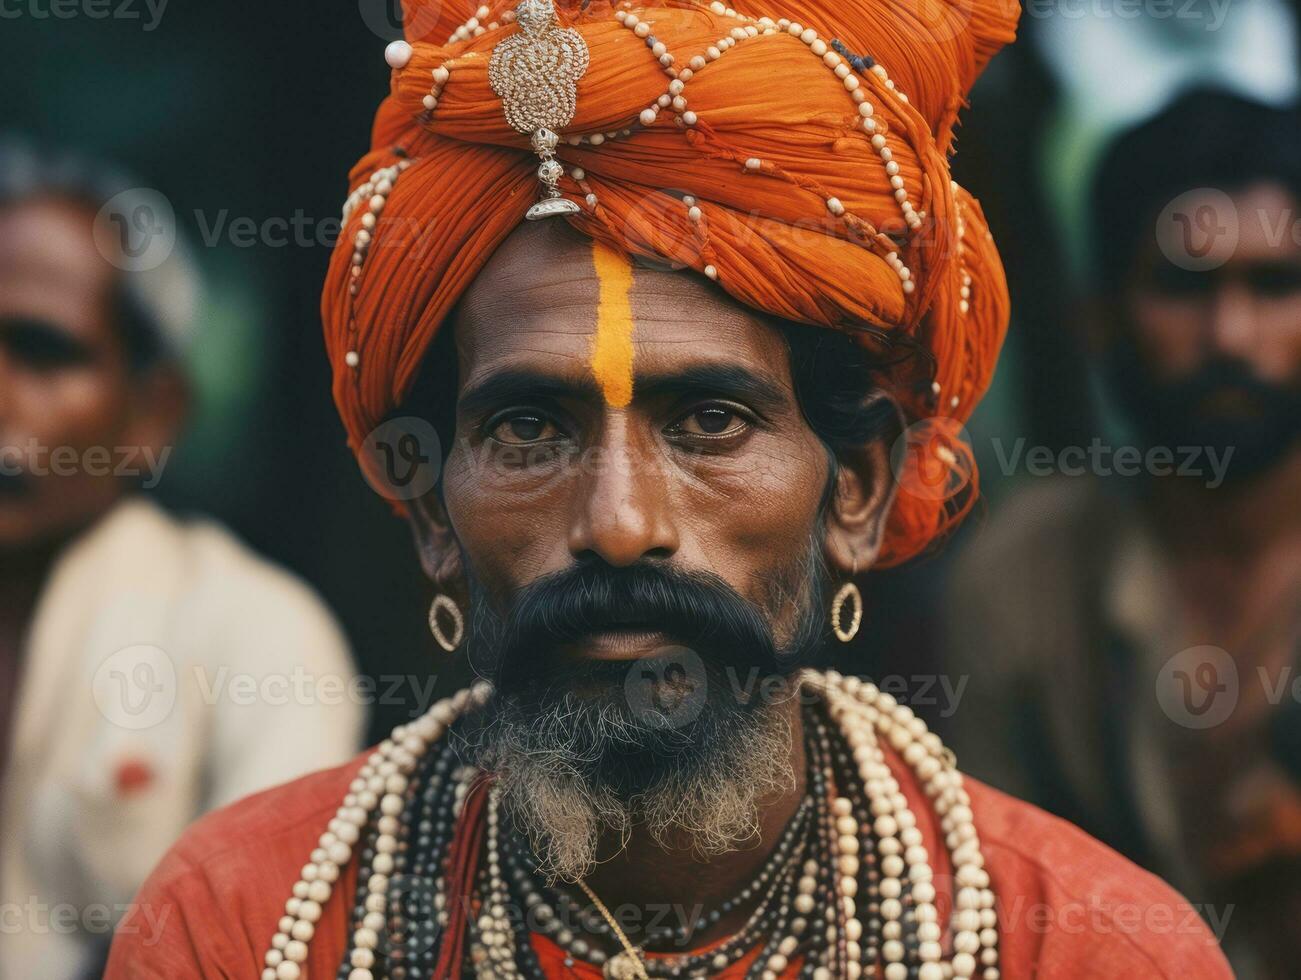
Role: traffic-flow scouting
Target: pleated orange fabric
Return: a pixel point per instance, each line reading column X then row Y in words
column 808, row 206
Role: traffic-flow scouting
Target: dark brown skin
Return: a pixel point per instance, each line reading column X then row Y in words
column 64, row 376
column 1252, row 313
column 716, row 477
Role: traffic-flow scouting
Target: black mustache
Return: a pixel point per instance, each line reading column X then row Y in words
column 697, row 609
column 14, row 484
column 1222, row 374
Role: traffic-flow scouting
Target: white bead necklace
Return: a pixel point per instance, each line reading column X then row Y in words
column 862, row 713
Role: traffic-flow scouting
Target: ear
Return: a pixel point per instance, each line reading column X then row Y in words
column 1101, row 317
column 864, row 491
column 158, row 410
column 435, row 542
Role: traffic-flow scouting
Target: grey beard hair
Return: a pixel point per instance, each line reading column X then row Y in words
column 546, row 770
column 567, row 764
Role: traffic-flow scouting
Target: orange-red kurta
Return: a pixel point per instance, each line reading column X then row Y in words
column 1068, row 906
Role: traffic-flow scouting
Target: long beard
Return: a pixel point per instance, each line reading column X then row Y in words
column 686, row 746
column 1175, row 414
column 580, row 775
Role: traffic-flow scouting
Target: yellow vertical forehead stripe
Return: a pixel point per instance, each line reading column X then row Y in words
column 612, row 346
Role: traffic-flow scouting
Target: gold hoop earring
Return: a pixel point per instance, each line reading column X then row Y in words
column 848, row 593
column 442, row 603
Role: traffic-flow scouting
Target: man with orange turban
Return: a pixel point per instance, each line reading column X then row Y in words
column 644, row 439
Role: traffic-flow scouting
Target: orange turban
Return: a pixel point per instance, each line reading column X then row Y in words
column 798, row 156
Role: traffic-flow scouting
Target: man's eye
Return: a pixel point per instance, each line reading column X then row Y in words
column 1170, row 280
column 41, row 346
column 711, row 420
column 523, row 428
column 1276, row 280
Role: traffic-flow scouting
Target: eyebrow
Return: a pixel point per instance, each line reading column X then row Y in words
column 18, row 330
column 722, row 379
column 504, row 387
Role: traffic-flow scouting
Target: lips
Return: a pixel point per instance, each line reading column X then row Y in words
column 1230, row 402
column 13, row 485
column 618, row 642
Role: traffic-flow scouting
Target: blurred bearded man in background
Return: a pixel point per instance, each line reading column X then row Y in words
column 660, row 414
column 1144, row 693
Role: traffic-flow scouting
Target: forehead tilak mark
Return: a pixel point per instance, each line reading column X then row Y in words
column 612, row 353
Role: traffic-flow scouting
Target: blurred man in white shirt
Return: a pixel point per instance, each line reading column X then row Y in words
column 146, row 663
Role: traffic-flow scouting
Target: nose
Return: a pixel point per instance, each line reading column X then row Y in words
column 8, row 387
column 1232, row 321
column 623, row 513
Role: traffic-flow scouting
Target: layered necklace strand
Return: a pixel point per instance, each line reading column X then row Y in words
column 849, row 885
column 774, row 878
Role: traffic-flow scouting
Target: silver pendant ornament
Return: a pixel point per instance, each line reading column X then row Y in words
column 536, row 73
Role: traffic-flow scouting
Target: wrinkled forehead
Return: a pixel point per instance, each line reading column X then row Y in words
column 50, row 267
column 552, row 300
column 1267, row 221
column 1256, row 223
column 51, row 238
